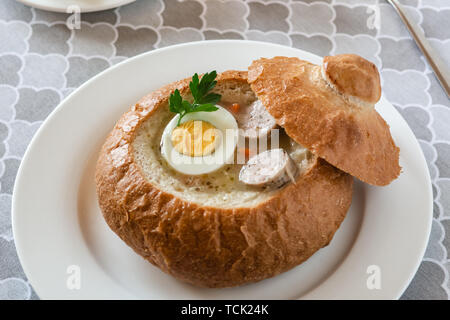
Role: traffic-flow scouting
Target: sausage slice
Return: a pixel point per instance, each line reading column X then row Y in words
column 269, row 169
column 255, row 121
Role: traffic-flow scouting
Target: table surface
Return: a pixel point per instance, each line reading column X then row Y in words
column 42, row 61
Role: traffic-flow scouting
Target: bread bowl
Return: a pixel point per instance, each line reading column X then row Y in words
column 213, row 235
column 329, row 109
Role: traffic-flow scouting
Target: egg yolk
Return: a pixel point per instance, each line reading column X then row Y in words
column 194, row 138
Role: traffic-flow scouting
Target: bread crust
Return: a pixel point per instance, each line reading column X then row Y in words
column 352, row 137
column 353, row 76
column 207, row 246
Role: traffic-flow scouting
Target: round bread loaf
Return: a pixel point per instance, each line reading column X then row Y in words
column 219, row 236
column 330, row 110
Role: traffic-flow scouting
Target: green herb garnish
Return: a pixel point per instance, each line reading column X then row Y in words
column 203, row 101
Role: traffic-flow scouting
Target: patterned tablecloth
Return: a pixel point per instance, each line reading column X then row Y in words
column 42, row 61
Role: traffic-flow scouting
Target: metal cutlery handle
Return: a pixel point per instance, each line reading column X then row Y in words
column 441, row 70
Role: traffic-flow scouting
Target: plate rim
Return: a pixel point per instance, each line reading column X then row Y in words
column 58, row 108
column 63, row 9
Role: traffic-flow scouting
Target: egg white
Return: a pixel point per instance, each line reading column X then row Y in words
column 226, row 141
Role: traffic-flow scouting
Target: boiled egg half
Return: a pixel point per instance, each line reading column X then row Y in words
column 202, row 143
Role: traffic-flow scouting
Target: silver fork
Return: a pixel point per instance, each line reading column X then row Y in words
column 440, row 68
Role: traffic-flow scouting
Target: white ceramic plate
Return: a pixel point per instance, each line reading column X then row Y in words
column 57, row 222
column 84, row 5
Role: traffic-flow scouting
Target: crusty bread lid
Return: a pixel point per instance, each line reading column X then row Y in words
column 330, row 110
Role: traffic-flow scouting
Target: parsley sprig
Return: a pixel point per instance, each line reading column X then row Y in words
column 203, row 101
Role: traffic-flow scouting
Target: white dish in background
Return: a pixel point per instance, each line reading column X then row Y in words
column 84, row 5
column 57, row 222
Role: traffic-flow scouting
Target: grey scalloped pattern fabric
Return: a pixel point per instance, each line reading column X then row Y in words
column 42, row 61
